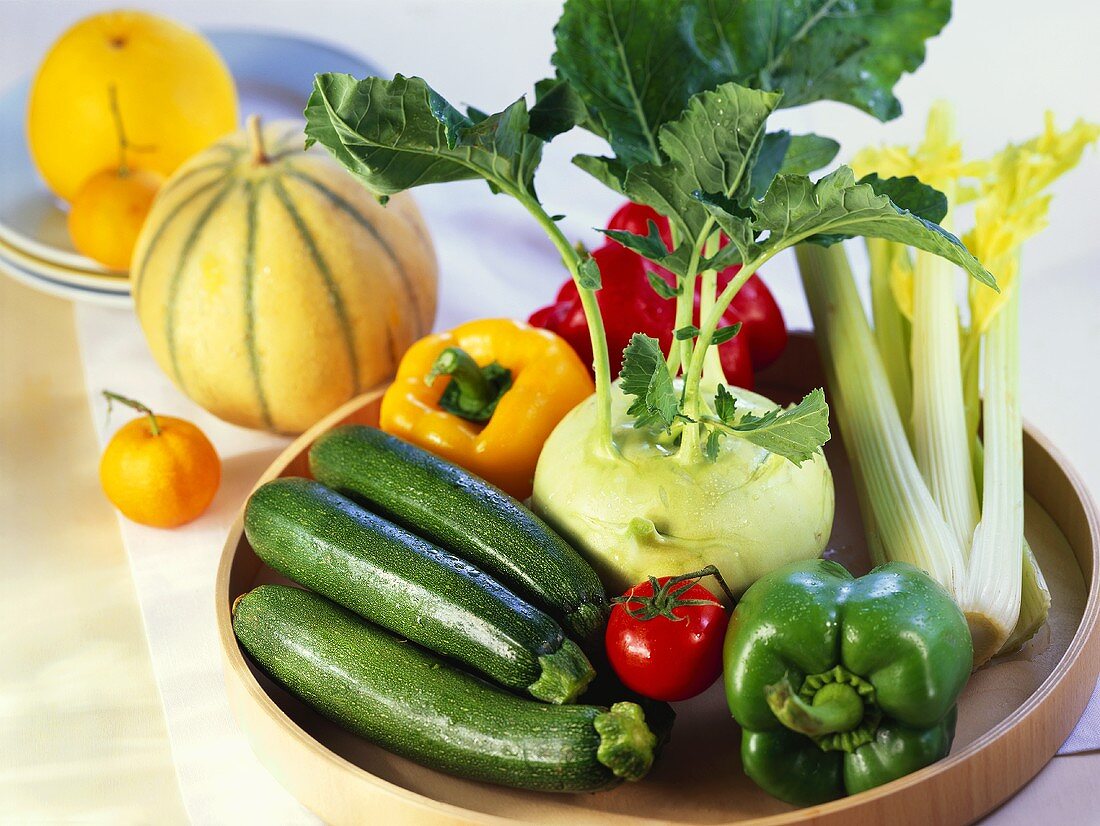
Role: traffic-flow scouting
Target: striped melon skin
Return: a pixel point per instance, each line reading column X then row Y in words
column 272, row 293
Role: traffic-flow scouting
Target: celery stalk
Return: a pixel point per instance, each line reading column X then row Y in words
column 890, row 333
column 906, row 523
column 991, row 600
column 1034, row 604
column 939, row 418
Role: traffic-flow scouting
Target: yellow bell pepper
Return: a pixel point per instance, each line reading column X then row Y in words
column 486, row 396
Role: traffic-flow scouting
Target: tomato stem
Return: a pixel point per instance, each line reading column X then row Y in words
column 111, row 397
column 667, row 597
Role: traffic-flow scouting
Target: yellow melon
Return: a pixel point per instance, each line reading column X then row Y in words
column 272, row 287
column 174, row 93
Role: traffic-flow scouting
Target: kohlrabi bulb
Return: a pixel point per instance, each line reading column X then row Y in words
column 648, row 512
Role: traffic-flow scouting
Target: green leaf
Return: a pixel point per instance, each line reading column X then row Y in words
column 790, row 154
column 709, row 149
column 589, row 272
column 645, row 376
column 796, row 433
column 684, row 333
column 808, row 153
column 636, row 64
column 724, row 334
column 662, row 287
column 910, row 194
column 652, row 246
column 398, row 134
column 725, row 404
column 796, row 209
column 710, row 446
column 558, row 108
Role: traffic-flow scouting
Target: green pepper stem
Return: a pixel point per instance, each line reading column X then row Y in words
column 836, row 707
column 464, row 371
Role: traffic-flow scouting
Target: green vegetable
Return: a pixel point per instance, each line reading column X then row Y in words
column 670, row 85
column 393, row 578
column 466, row 515
column 843, row 684
column 412, row 703
column 648, row 513
column 933, row 493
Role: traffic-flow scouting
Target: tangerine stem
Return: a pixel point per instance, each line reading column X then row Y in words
column 136, row 405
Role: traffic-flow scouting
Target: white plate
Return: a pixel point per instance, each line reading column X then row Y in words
column 118, row 282
column 60, row 289
column 274, row 75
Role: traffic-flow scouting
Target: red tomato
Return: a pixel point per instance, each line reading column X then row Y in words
column 664, row 658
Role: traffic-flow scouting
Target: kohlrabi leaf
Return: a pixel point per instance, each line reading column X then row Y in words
column 791, row 154
column 397, row 134
column 589, row 274
column 710, row 148
column 725, row 405
column 796, row 433
column 558, row 108
column 724, row 334
column 652, row 246
column 645, row 376
column 636, row 64
column 910, row 194
column 796, row 209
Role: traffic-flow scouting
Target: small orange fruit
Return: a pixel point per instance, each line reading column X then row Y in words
column 158, row 470
column 108, row 212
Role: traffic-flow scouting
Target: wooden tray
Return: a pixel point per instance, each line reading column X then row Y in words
column 1013, row 715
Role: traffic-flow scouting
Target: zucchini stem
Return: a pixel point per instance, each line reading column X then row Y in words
column 565, row 675
column 627, row 746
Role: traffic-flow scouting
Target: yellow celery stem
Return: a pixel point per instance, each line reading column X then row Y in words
column 940, row 436
column 903, row 520
column 991, row 600
column 890, row 333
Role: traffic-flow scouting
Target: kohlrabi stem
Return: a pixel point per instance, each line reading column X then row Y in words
column 676, row 350
column 712, row 361
column 601, row 365
column 685, row 303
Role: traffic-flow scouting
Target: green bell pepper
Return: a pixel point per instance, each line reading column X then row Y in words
column 842, row 684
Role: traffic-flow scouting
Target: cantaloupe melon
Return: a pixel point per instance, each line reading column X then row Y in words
column 272, row 287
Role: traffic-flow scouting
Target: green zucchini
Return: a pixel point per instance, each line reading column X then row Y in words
column 465, row 514
column 387, row 575
column 410, row 702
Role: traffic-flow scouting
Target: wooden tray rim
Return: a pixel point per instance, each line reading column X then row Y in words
column 1087, row 637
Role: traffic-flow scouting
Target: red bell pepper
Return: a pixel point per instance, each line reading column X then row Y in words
column 629, row 305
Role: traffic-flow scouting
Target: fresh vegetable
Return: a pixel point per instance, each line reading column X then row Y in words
column 669, row 86
column 443, row 503
column 843, row 684
column 272, row 288
column 414, row 704
column 936, row 495
column 393, row 578
column 486, row 396
column 110, row 208
column 175, row 94
column 158, row 470
column 631, row 303
column 644, row 514
column 664, row 638
column 762, row 325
